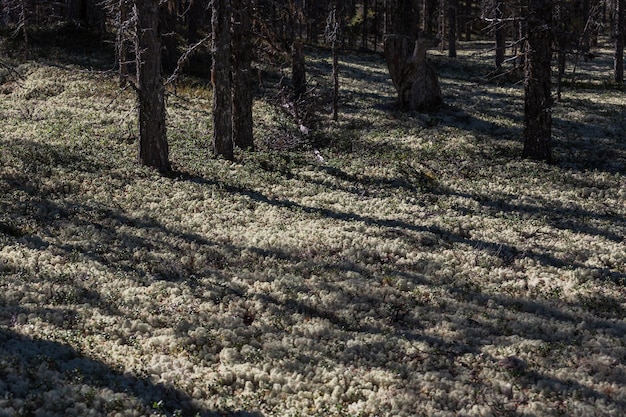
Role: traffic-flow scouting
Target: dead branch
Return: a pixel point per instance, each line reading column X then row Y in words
column 184, row 58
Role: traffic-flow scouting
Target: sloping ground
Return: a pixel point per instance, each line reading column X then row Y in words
column 421, row 269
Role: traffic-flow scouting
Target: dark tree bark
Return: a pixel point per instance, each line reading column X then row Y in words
column 153, row 147
column 415, row 80
column 168, row 17
column 428, row 13
column 242, row 70
column 25, row 7
column 405, row 20
column 468, row 19
column 332, row 33
column 500, row 34
column 122, row 42
column 78, row 11
column 195, row 20
column 618, row 59
column 365, row 23
column 298, row 70
column 405, row 52
column 452, row 18
column 221, row 80
column 537, row 88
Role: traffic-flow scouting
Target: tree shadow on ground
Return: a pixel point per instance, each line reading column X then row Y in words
column 553, row 213
column 396, row 312
column 45, row 375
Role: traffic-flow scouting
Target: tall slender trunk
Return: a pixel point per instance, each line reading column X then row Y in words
column 221, row 80
column 24, row 22
column 468, row 20
column 153, row 147
column 365, row 11
column 618, row 59
column 242, row 71
column 500, row 35
column 298, row 70
column 452, row 17
column 538, row 98
column 121, row 44
column 167, row 23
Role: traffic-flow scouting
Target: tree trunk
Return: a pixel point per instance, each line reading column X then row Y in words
column 122, row 41
column 415, row 80
column 364, row 39
column 468, row 20
column 500, row 32
column 405, row 20
column 168, row 18
column 441, row 24
column 153, row 147
column 452, row 17
column 298, row 70
column 221, row 80
column 428, row 14
column 538, row 99
column 335, row 83
column 561, row 61
column 25, row 11
column 618, row 59
column 242, row 64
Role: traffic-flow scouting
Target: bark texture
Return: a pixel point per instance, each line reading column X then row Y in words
column 452, row 23
column 153, row 147
column 298, row 70
column 414, row 78
column 242, row 85
column 618, row 60
column 221, row 80
column 537, row 88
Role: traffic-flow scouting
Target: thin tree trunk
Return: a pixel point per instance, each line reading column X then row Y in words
column 122, row 47
column 364, row 39
column 468, row 20
column 428, row 12
column 168, row 18
column 441, row 24
column 298, row 70
column 406, row 19
column 618, row 60
column 221, row 80
column 500, row 35
column 452, row 17
column 153, row 147
column 331, row 34
column 561, row 62
column 538, row 99
column 24, row 23
column 242, row 70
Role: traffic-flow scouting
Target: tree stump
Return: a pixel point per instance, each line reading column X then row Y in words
column 414, row 78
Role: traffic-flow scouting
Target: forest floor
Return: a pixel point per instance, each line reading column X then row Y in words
column 422, row 268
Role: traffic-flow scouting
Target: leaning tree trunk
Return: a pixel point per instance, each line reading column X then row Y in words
column 153, row 148
column 538, row 98
column 220, row 76
column 414, row 78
